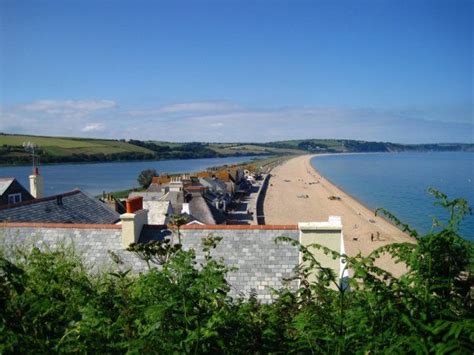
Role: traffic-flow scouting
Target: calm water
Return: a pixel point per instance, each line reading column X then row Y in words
column 399, row 182
column 95, row 178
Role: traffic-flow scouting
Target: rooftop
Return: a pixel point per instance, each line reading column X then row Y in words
column 200, row 210
column 69, row 207
column 157, row 211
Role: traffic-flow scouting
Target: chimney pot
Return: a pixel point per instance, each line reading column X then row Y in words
column 134, row 204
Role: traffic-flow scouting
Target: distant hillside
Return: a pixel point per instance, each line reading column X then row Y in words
column 66, row 149
column 62, row 149
column 354, row 146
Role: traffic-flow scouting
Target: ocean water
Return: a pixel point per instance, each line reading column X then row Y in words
column 399, row 182
column 96, row 178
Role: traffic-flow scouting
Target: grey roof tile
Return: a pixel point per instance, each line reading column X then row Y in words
column 70, row 207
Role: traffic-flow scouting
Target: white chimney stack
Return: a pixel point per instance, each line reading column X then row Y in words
column 36, row 184
column 186, row 209
column 133, row 221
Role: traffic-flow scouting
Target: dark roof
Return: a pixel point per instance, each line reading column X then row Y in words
column 218, row 215
column 69, row 207
column 153, row 233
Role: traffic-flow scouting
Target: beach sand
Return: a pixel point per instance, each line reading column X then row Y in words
column 298, row 193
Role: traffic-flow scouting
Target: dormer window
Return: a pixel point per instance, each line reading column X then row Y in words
column 14, row 198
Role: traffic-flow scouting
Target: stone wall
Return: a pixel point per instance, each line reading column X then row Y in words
column 95, row 244
column 262, row 264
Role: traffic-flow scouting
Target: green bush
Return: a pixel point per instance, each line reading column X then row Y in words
column 50, row 302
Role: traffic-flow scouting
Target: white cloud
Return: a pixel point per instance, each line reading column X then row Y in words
column 222, row 121
column 204, row 106
column 187, row 108
column 55, row 106
column 57, row 117
column 93, row 127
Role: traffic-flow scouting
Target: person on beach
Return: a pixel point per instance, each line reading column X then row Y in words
column 372, row 237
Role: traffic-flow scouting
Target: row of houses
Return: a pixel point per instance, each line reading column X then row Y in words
column 28, row 218
column 202, row 198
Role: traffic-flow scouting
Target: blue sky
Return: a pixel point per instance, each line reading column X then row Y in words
column 238, row 70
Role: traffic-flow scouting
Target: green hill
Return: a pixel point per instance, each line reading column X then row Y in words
column 63, row 149
column 67, row 149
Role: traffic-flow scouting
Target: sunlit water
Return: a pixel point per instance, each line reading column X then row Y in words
column 96, row 178
column 399, row 182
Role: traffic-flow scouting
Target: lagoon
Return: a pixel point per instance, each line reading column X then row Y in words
column 98, row 177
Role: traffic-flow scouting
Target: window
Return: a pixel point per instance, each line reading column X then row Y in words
column 14, row 198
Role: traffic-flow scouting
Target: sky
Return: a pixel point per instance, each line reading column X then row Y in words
column 238, row 71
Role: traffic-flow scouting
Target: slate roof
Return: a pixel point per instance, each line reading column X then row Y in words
column 147, row 196
column 153, row 233
column 69, row 207
column 205, row 212
column 200, row 210
column 154, row 187
column 176, row 198
column 157, row 211
column 5, row 184
column 214, row 184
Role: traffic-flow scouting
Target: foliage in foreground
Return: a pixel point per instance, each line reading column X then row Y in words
column 50, row 302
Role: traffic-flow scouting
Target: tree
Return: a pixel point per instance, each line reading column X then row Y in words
column 146, row 176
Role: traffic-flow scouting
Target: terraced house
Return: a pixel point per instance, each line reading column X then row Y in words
column 97, row 232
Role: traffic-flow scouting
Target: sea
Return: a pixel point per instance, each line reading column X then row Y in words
column 399, row 182
column 99, row 177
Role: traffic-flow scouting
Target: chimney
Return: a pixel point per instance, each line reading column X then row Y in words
column 36, row 184
column 186, row 209
column 133, row 220
column 328, row 234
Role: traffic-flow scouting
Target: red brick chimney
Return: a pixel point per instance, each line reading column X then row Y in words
column 134, row 204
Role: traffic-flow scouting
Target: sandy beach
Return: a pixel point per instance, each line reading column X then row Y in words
column 298, row 193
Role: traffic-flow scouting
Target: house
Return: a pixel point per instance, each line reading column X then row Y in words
column 214, row 185
column 261, row 264
column 70, row 207
column 11, row 192
column 198, row 210
column 159, row 211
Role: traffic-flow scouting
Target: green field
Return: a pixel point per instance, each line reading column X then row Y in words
column 68, row 146
column 228, row 149
column 63, row 149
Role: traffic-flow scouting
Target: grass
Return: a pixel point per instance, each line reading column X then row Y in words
column 226, row 148
column 62, row 146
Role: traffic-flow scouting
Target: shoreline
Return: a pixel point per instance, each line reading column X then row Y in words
column 299, row 193
column 340, row 188
column 254, row 157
